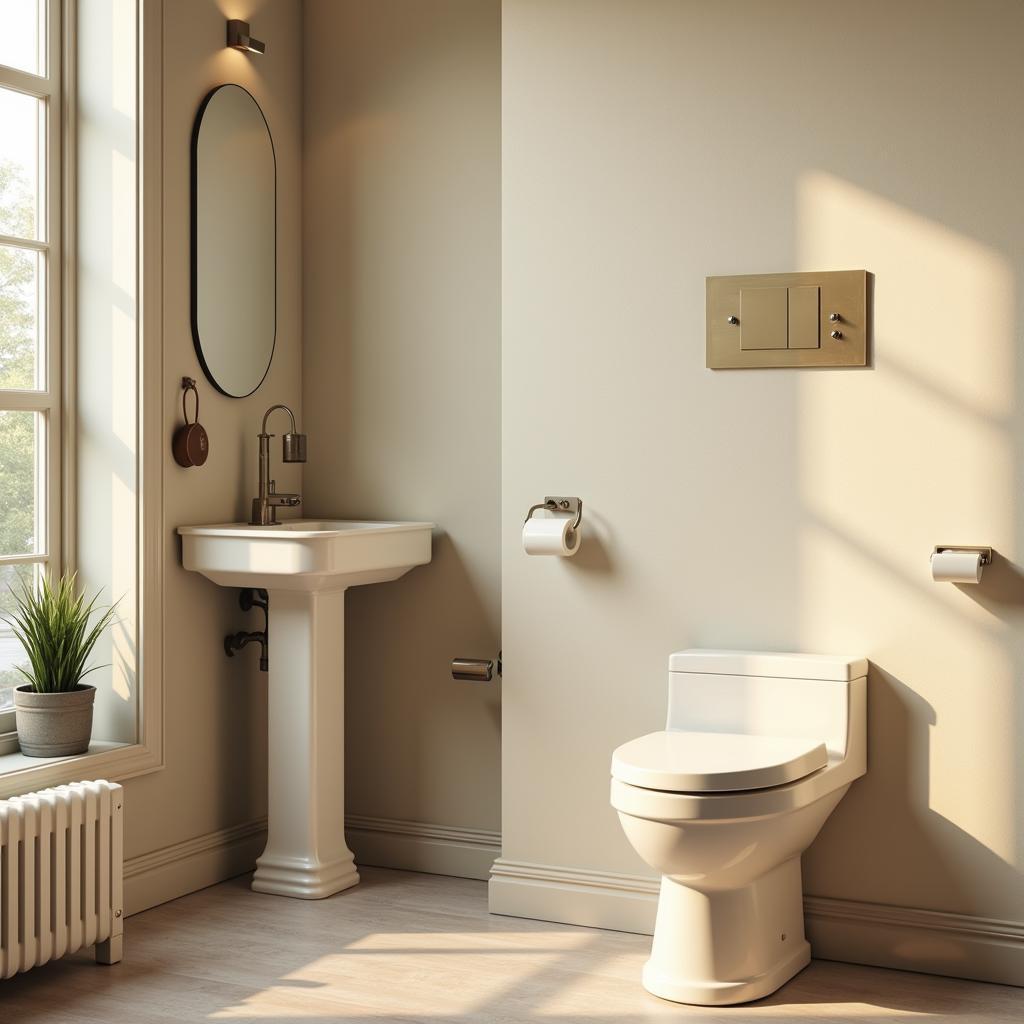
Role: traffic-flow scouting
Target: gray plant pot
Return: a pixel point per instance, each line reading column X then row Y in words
column 54, row 724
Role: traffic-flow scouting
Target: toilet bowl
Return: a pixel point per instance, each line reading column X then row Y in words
column 757, row 751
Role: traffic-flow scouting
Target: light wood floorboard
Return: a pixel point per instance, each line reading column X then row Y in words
column 408, row 947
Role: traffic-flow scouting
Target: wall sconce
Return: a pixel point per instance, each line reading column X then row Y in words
column 239, row 38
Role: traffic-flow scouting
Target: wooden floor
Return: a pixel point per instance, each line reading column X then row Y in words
column 406, row 947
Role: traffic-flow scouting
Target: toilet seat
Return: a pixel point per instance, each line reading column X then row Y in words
column 715, row 762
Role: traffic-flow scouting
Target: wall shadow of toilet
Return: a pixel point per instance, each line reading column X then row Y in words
column 890, row 810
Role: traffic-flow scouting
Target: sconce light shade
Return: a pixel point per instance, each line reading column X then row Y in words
column 239, row 38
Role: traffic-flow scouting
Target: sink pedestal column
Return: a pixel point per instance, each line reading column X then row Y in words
column 306, row 855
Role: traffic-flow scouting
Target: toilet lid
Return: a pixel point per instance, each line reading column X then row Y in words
column 711, row 762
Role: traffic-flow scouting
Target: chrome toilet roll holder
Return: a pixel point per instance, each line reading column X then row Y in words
column 986, row 553
column 574, row 506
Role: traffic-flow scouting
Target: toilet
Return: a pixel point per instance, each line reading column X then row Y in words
column 758, row 750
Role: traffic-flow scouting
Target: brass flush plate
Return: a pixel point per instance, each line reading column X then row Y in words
column 778, row 320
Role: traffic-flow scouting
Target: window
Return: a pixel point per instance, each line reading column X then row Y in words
column 30, row 309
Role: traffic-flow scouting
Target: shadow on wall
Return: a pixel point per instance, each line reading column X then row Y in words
column 1001, row 589
column 596, row 545
column 1001, row 594
column 400, row 697
column 896, row 791
column 923, row 450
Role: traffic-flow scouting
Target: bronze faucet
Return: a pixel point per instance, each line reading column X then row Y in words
column 293, row 449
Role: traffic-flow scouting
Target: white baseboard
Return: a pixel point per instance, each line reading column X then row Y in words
column 623, row 903
column 415, row 846
column 955, row 945
column 177, row 870
column 166, row 874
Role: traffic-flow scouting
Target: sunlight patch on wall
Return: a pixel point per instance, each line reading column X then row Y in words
column 947, row 299
column 123, row 264
column 916, row 450
column 106, row 432
column 123, row 506
column 123, row 30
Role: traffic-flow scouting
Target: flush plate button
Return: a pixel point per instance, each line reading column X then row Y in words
column 804, row 316
column 764, row 318
column 775, row 318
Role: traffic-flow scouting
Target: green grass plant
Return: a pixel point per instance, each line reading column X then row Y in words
column 53, row 625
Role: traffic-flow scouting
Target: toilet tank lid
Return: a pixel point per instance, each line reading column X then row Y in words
column 769, row 664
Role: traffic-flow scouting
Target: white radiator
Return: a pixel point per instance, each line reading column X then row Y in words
column 61, row 871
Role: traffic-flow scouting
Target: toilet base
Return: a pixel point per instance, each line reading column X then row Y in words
column 728, row 946
column 725, row 993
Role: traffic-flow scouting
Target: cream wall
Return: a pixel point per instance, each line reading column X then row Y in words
column 198, row 819
column 645, row 146
column 401, row 284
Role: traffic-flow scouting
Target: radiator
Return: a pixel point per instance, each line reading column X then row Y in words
column 61, row 888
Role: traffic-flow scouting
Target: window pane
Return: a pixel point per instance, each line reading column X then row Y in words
column 22, row 35
column 12, row 577
column 22, row 304
column 20, row 443
column 21, row 134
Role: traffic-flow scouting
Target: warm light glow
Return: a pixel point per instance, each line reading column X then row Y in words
column 122, row 82
column 916, row 451
column 383, row 977
column 107, row 364
column 373, row 975
column 945, row 298
column 482, row 942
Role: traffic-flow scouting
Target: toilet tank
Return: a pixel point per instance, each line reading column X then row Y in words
column 818, row 696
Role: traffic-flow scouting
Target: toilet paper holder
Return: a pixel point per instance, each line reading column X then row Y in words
column 986, row 553
column 574, row 506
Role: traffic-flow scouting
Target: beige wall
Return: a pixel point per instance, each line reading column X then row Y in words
column 215, row 709
column 646, row 145
column 401, row 193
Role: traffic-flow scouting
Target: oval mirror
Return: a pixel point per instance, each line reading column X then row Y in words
column 234, row 241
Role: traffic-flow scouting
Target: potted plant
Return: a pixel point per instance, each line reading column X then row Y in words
column 53, row 710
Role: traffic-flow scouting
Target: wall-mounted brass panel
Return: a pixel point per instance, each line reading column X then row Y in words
column 779, row 320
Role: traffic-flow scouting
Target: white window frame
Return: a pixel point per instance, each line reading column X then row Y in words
column 46, row 401
column 147, row 754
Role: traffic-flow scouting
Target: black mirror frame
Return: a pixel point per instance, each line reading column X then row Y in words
column 194, row 240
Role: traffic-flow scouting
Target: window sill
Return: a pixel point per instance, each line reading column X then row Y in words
column 16, row 760
column 103, row 760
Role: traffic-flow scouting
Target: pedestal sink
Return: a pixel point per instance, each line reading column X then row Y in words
column 306, row 567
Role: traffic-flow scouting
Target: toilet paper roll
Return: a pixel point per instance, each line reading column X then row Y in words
column 956, row 567
column 551, row 536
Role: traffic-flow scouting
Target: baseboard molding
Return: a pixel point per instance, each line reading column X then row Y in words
column 416, row 846
column 954, row 945
column 165, row 874
column 595, row 899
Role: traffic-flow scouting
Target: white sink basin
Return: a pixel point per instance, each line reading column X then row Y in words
column 305, row 566
column 305, row 554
